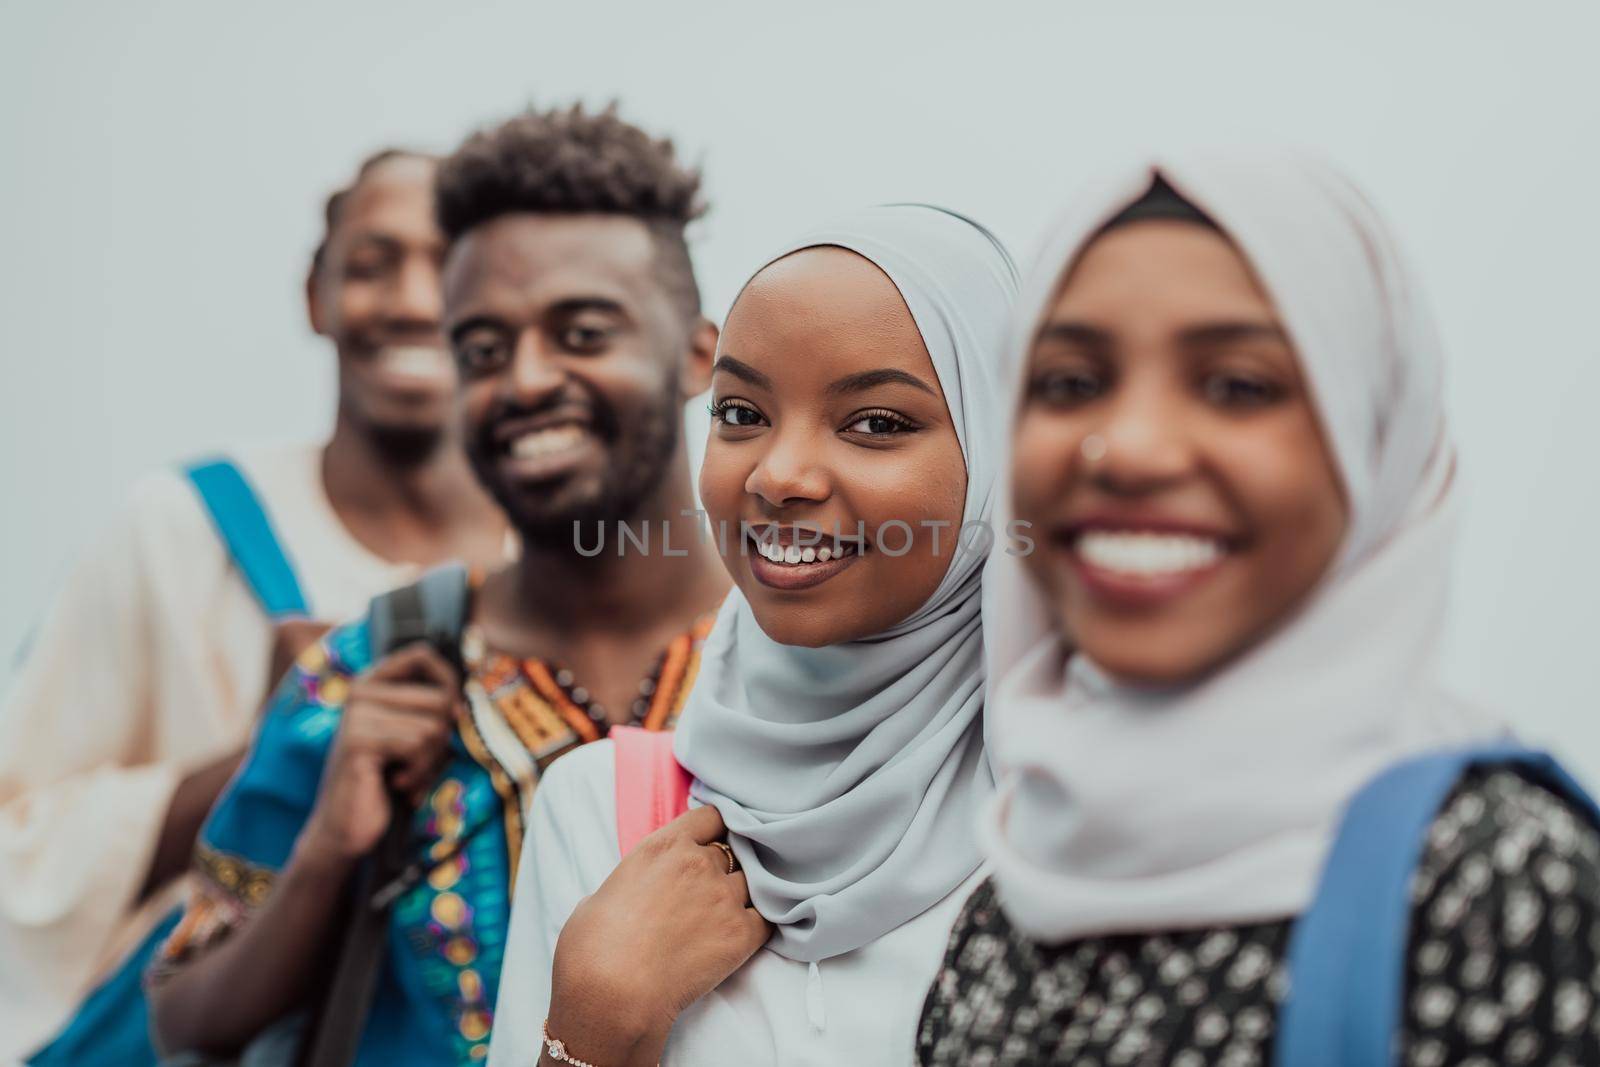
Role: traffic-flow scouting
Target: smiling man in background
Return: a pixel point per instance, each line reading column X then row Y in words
column 573, row 312
column 136, row 701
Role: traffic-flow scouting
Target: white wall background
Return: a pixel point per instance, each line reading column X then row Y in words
column 164, row 163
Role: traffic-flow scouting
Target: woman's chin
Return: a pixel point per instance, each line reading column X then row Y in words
column 807, row 625
column 1153, row 663
column 800, row 629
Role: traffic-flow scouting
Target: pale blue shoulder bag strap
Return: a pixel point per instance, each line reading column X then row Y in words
column 243, row 525
column 1347, row 953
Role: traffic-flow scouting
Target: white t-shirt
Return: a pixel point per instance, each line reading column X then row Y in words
column 151, row 662
column 863, row 1006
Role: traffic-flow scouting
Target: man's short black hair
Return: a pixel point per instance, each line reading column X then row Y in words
column 333, row 210
column 570, row 161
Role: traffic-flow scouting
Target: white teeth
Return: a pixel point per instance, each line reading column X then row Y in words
column 542, row 443
column 417, row 361
column 1147, row 555
column 791, row 555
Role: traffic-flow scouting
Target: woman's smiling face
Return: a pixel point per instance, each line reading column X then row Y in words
column 829, row 422
column 1169, row 457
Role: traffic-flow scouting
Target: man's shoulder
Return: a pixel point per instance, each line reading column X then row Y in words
column 159, row 521
column 166, row 497
column 309, row 699
column 1501, row 835
column 269, row 465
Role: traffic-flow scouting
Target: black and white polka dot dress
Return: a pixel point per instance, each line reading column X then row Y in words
column 1504, row 965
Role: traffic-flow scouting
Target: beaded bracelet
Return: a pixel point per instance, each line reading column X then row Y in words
column 558, row 1050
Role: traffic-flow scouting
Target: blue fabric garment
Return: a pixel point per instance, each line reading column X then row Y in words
column 441, row 972
column 112, row 1027
column 440, row 975
column 1347, row 953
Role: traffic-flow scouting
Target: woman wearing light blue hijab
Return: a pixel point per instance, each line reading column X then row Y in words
column 835, row 729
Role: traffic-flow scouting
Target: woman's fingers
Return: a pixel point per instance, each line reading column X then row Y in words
column 722, row 856
column 752, row 929
column 703, row 825
column 740, row 888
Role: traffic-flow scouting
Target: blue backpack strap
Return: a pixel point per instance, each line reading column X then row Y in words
column 243, row 525
column 1347, row 953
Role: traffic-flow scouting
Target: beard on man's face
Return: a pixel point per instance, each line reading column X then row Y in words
column 405, row 446
column 638, row 451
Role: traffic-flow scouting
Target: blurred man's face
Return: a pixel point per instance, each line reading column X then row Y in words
column 575, row 361
column 376, row 296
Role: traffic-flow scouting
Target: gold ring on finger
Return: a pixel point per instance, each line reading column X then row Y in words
column 733, row 864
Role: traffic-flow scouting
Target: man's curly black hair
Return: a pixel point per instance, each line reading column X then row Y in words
column 571, row 161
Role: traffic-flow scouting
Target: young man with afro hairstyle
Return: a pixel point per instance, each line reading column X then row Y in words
column 573, row 314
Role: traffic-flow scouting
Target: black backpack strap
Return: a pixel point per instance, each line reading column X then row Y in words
column 432, row 610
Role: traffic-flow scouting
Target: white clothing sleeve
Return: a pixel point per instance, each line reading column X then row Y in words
column 569, row 850
column 88, row 759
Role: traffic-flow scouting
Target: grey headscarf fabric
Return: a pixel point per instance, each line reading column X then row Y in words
column 850, row 776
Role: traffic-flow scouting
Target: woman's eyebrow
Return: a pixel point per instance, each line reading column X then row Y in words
column 1214, row 333
column 1073, row 332
column 740, row 369
column 855, row 383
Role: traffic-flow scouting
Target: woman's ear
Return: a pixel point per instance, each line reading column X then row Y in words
column 701, row 355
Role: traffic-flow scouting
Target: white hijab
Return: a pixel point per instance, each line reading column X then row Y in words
column 1123, row 810
column 850, row 776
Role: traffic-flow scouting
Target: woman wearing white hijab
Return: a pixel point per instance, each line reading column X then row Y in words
column 1231, row 446
column 835, row 727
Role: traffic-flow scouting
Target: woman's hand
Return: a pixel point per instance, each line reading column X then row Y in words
column 666, row 928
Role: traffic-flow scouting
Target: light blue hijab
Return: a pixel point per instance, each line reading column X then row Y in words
column 850, row 776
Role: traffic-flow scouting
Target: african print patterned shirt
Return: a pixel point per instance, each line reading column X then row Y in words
column 435, row 1000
